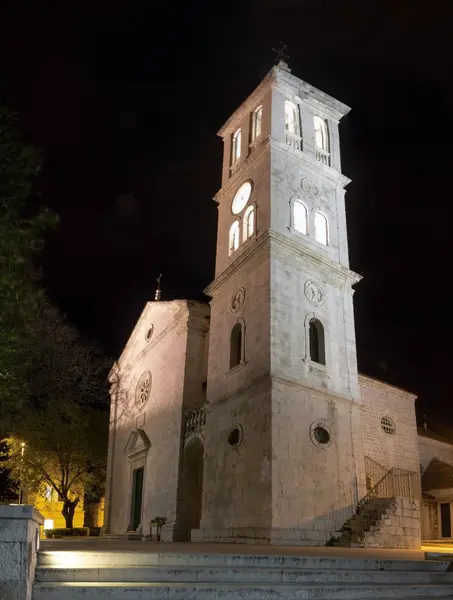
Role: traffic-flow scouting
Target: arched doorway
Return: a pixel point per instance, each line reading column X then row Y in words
column 191, row 489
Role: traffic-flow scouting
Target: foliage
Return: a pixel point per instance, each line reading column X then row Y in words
column 65, row 424
column 65, row 531
column 8, row 487
column 22, row 227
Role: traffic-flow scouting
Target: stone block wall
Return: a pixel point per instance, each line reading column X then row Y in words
column 399, row 449
column 399, row 527
column 19, row 544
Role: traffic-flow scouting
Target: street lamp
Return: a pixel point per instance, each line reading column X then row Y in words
column 22, row 450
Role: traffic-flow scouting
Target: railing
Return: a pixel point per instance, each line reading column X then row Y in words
column 323, row 156
column 374, row 472
column 294, row 140
column 195, row 420
column 395, row 483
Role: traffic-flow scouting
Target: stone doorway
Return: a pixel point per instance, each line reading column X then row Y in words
column 136, row 498
column 191, row 489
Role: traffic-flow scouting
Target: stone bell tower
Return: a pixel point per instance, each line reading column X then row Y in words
column 282, row 448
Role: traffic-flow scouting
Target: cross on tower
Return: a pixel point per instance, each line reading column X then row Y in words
column 280, row 53
column 158, row 291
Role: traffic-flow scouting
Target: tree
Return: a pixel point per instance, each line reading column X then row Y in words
column 22, row 227
column 8, row 487
column 65, row 423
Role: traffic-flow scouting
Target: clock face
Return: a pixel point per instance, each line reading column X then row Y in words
column 241, row 198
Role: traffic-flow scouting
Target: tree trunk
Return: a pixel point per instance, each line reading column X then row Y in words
column 68, row 511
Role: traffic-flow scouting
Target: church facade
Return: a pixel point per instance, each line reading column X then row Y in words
column 245, row 419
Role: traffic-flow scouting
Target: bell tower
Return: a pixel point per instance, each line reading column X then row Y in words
column 283, row 457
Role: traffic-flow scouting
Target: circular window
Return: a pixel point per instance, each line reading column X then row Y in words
column 320, row 434
column 143, row 390
column 388, row 425
column 235, row 436
column 149, row 333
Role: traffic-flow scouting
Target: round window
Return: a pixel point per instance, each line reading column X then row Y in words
column 149, row 333
column 143, row 390
column 388, row 425
column 235, row 436
column 320, row 434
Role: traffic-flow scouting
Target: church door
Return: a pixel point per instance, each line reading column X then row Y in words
column 136, row 499
column 191, row 489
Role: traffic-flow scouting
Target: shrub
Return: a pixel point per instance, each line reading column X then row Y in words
column 64, row 531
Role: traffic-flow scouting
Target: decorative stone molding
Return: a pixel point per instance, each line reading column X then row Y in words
column 143, row 390
column 237, row 300
column 314, row 293
column 308, row 187
column 137, row 445
column 195, row 421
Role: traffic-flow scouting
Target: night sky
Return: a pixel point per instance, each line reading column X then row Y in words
column 125, row 99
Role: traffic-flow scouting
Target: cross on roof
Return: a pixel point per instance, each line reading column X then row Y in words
column 280, row 53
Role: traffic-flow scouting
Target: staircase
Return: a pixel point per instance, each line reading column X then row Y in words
column 387, row 517
column 140, row 575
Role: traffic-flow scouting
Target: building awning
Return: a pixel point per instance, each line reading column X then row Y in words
column 438, row 475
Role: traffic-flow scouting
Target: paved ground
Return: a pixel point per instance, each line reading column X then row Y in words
column 99, row 545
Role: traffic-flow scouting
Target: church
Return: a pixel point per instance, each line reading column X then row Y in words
column 245, row 420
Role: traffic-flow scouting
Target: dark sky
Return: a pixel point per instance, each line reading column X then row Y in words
column 125, row 99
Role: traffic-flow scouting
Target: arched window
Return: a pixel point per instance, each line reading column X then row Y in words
column 321, row 229
column 257, row 117
column 321, row 134
column 300, row 217
column 249, row 222
column 234, row 237
column 236, row 345
column 236, row 146
column 292, row 120
column 317, row 342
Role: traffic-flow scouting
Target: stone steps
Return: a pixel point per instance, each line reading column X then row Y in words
column 143, row 558
column 247, row 574
column 140, row 575
column 230, row 591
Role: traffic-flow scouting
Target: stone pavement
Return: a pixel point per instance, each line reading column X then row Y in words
column 109, row 545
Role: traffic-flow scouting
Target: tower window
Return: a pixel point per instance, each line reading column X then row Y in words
column 321, row 134
column 249, row 222
column 234, row 237
column 321, row 229
column 236, row 146
column 257, row 117
column 317, row 342
column 300, row 217
column 292, row 119
column 236, row 345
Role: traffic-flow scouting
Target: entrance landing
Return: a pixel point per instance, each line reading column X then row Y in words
column 105, row 545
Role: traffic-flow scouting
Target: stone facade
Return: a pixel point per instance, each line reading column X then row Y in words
column 258, row 428
column 169, row 342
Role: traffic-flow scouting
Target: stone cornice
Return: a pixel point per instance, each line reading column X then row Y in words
column 254, row 157
column 245, row 254
column 332, row 175
column 299, row 384
column 263, row 381
column 320, row 100
column 316, row 260
column 247, row 105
